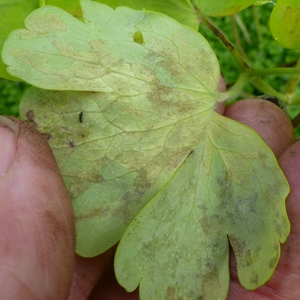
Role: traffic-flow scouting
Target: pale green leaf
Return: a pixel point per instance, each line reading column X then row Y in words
column 13, row 13
column 120, row 156
column 229, row 187
column 284, row 23
column 160, row 80
column 222, row 8
column 59, row 52
column 138, row 141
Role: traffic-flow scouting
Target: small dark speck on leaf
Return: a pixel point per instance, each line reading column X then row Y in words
column 71, row 144
column 47, row 136
column 190, row 153
column 30, row 117
column 81, row 117
column 138, row 37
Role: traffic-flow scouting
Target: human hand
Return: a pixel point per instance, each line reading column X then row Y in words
column 37, row 224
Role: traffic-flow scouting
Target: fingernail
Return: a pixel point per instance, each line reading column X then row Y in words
column 9, row 132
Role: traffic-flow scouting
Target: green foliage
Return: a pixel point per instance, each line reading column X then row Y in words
column 256, row 42
column 284, row 23
column 222, row 8
column 71, row 6
column 13, row 14
column 10, row 95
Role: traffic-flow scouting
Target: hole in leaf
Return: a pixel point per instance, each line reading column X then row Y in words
column 138, row 37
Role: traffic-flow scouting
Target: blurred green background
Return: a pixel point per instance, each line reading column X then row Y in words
column 250, row 33
column 10, row 96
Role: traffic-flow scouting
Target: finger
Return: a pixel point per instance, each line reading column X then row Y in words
column 267, row 119
column 108, row 288
column 36, row 218
column 87, row 272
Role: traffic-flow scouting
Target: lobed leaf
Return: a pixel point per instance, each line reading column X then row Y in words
column 177, row 247
column 284, row 23
column 137, row 140
column 105, row 58
column 121, row 155
column 157, row 92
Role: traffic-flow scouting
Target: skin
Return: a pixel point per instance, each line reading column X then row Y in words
column 37, row 236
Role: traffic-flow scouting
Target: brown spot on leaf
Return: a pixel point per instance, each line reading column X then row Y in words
column 93, row 213
column 30, row 117
column 171, row 294
column 237, row 245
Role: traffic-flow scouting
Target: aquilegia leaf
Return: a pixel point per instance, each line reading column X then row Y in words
column 127, row 103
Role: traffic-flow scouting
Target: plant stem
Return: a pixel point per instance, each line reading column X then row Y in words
column 236, row 88
column 257, row 23
column 222, row 37
column 261, row 85
column 237, row 38
column 42, row 3
column 292, row 85
column 243, row 28
column 273, row 71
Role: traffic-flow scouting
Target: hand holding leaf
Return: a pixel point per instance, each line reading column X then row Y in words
column 151, row 151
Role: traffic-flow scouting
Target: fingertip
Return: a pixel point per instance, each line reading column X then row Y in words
column 37, row 234
column 87, row 272
column 109, row 289
column 289, row 162
column 8, row 143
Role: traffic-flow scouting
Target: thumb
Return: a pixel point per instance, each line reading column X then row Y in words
column 36, row 218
